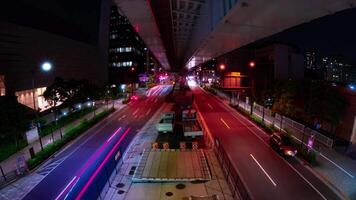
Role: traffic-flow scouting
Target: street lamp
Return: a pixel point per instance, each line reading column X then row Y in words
column 222, row 66
column 133, row 79
column 46, row 66
column 252, row 64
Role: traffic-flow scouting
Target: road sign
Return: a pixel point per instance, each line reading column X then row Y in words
column 311, row 142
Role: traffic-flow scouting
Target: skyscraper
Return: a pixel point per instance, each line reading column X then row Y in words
column 127, row 52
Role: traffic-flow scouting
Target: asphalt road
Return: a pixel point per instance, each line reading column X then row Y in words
column 266, row 174
column 73, row 167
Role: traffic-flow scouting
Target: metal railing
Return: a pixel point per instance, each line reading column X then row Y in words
column 237, row 187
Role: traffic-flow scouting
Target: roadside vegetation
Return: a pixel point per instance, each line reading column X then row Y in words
column 17, row 118
column 69, row 135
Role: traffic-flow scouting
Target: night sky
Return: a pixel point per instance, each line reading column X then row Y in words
column 76, row 19
column 79, row 19
column 329, row 35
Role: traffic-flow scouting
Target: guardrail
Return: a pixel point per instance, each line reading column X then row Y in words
column 237, row 187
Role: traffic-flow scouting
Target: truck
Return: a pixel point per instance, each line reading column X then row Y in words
column 166, row 123
column 191, row 126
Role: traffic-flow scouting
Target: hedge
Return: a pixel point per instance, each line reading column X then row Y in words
column 53, row 126
column 69, row 135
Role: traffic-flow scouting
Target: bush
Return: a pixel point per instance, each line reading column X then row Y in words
column 309, row 156
column 8, row 148
column 70, row 134
column 53, row 126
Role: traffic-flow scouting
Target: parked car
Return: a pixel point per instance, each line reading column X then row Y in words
column 282, row 144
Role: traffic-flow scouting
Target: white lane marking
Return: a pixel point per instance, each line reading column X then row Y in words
column 211, row 107
column 243, row 117
column 222, row 120
column 328, row 159
column 311, row 185
column 60, row 194
column 264, row 171
column 134, row 113
column 148, row 111
column 113, row 135
column 71, row 188
column 338, row 166
column 122, row 117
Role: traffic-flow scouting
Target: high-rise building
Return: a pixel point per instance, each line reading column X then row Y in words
column 337, row 71
column 310, row 60
column 127, row 51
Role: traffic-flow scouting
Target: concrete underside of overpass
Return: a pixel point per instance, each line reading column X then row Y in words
column 185, row 33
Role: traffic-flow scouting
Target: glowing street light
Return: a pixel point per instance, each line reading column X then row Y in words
column 46, row 66
column 252, row 64
column 222, row 66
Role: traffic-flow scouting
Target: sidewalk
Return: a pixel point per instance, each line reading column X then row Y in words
column 10, row 165
column 336, row 170
column 122, row 187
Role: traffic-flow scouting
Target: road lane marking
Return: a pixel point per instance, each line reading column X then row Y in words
column 121, row 117
column 67, row 186
column 92, row 177
column 113, row 135
column 211, row 107
column 71, row 188
column 222, row 120
column 264, row 171
column 155, row 101
column 148, row 111
column 338, row 166
column 311, row 185
column 134, row 113
column 234, row 113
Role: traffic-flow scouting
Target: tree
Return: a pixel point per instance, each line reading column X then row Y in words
column 53, row 95
column 13, row 121
column 285, row 94
column 325, row 104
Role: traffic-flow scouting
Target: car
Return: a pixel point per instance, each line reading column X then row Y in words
column 282, row 144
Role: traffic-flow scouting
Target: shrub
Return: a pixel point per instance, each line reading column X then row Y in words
column 53, row 126
column 70, row 133
column 8, row 147
column 309, row 156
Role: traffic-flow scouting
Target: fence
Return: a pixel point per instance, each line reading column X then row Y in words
column 298, row 130
column 237, row 187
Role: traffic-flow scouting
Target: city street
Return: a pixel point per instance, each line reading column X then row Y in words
column 264, row 172
column 77, row 163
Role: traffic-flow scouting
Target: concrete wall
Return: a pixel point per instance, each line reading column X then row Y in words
column 23, row 49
